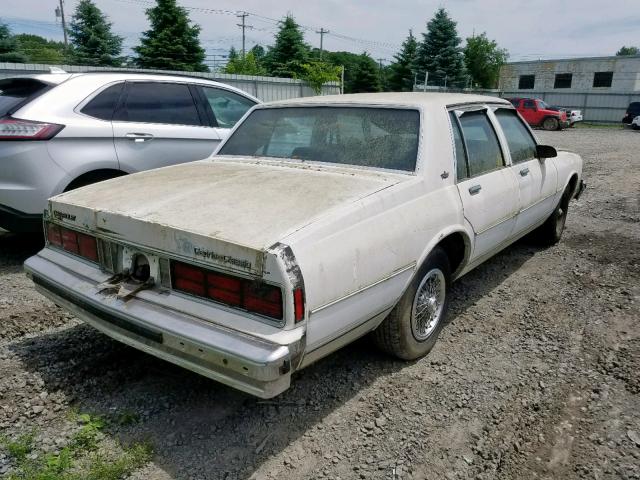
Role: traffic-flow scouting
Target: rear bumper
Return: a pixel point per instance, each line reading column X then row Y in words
column 19, row 222
column 242, row 361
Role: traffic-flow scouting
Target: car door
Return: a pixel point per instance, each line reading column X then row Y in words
column 159, row 124
column 487, row 186
column 537, row 178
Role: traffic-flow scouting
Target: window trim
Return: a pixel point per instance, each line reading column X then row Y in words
column 452, row 113
column 127, row 90
column 487, row 109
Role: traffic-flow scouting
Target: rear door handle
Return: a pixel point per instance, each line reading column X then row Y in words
column 524, row 172
column 475, row 189
column 139, row 137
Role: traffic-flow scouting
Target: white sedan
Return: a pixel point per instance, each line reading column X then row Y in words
column 635, row 124
column 319, row 220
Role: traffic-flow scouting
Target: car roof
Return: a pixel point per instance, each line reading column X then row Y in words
column 404, row 99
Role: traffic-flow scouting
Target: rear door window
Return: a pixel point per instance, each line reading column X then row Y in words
column 155, row 102
column 16, row 92
column 483, row 148
column 227, row 107
column 103, row 105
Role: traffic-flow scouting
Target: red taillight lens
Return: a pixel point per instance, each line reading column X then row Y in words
column 263, row 299
column 255, row 297
column 12, row 129
column 54, row 236
column 298, row 304
column 224, row 289
column 71, row 241
column 188, row 279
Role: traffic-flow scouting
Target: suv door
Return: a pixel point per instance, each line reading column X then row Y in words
column 159, row 124
column 537, row 179
column 487, row 186
column 224, row 107
column 530, row 112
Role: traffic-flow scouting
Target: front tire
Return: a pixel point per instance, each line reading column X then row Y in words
column 551, row 123
column 550, row 232
column 411, row 329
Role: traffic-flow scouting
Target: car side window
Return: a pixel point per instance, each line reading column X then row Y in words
column 103, row 105
column 483, row 148
column 156, row 102
column 228, row 107
column 521, row 143
column 529, row 104
column 461, row 155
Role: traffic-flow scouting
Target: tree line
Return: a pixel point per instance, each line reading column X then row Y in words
column 437, row 57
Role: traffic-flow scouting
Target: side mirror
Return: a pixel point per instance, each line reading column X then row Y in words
column 545, row 151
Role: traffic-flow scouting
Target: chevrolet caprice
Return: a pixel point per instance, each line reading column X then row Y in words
column 318, row 221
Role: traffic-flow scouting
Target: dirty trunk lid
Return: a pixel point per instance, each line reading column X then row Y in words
column 215, row 211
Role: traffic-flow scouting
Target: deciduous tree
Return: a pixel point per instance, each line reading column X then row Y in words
column 628, row 51
column 316, row 74
column 483, row 59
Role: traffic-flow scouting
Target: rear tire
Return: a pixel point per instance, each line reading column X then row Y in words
column 411, row 329
column 550, row 232
column 550, row 123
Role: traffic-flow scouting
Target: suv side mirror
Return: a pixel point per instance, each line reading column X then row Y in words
column 545, row 151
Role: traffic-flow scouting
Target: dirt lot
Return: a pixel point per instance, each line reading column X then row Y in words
column 537, row 375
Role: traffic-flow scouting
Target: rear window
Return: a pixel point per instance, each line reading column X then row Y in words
column 361, row 136
column 16, row 92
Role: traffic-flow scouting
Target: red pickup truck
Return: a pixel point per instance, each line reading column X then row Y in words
column 539, row 114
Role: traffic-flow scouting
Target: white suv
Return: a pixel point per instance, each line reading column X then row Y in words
column 63, row 131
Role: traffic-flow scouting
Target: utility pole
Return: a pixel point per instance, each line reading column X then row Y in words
column 242, row 25
column 60, row 13
column 322, row 31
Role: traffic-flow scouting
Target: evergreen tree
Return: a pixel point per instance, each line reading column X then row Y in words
column 367, row 76
column 401, row 76
column 91, row 37
column 8, row 47
column 483, row 59
column 258, row 52
column 172, row 43
column 439, row 53
column 233, row 55
column 286, row 56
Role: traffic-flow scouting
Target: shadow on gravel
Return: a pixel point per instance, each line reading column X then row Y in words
column 199, row 428
column 16, row 248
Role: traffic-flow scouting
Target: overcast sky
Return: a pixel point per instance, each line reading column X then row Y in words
column 527, row 29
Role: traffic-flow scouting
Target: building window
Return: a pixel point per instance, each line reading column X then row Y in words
column 526, row 82
column 602, row 79
column 563, row 80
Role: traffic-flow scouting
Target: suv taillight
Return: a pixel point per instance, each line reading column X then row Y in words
column 255, row 297
column 71, row 241
column 13, row 129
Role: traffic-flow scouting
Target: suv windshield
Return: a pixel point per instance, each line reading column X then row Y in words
column 361, row 136
column 544, row 106
column 14, row 92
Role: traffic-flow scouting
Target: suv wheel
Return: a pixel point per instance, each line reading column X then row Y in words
column 550, row 123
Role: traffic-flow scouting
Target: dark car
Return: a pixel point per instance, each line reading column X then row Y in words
column 633, row 110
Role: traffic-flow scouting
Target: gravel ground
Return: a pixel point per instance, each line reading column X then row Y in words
column 536, row 376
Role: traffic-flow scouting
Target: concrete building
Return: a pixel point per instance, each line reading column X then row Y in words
column 602, row 87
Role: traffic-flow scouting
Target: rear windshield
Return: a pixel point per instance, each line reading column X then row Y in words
column 15, row 92
column 361, row 136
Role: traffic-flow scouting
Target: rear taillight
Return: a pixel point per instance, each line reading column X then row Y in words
column 12, row 129
column 298, row 304
column 71, row 241
column 255, row 297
